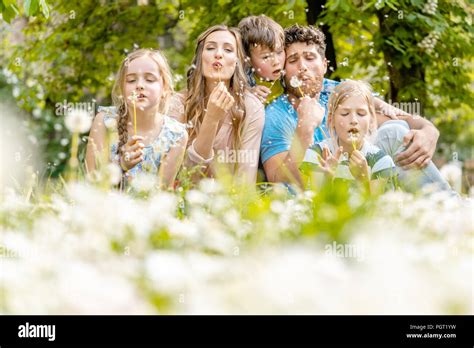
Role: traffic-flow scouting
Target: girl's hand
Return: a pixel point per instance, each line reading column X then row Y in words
column 261, row 92
column 358, row 166
column 132, row 153
column 220, row 101
column 329, row 162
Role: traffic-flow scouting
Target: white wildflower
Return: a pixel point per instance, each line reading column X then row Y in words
column 209, row 186
column 115, row 173
column 295, row 82
column 16, row 92
column 144, row 182
column 430, row 7
column 78, row 121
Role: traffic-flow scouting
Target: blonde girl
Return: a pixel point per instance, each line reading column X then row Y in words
column 349, row 154
column 148, row 140
column 355, row 150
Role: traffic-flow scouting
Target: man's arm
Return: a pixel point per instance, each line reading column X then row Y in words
column 420, row 141
column 284, row 166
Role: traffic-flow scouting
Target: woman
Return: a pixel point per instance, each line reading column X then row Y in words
column 225, row 119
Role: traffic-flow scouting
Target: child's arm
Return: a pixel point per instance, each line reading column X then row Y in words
column 96, row 141
column 172, row 162
column 261, row 92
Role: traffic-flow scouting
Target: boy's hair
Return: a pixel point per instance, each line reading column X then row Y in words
column 307, row 34
column 261, row 30
column 345, row 90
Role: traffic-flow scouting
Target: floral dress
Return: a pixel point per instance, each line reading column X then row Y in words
column 171, row 133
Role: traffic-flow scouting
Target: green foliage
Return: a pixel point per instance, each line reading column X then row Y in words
column 411, row 52
column 10, row 9
column 70, row 53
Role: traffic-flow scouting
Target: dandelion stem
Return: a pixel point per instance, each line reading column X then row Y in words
column 354, row 145
column 301, row 92
column 73, row 162
column 324, row 133
column 134, row 117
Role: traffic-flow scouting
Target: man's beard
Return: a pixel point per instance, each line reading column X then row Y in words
column 311, row 87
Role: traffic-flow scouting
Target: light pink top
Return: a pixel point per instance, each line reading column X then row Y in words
column 244, row 161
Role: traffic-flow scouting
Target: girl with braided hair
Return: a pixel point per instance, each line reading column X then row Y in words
column 148, row 140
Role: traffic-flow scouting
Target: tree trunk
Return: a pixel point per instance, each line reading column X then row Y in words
column 312, row 15
column 401, row 76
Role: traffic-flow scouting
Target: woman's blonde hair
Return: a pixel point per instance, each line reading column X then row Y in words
column 343, row 91
column 119, row 99
column 195, row 103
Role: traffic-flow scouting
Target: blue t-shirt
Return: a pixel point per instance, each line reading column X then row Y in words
column 281, row 120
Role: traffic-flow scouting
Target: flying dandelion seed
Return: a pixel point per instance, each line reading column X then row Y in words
column 296, row 83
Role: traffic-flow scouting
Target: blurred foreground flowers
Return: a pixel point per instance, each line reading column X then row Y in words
column 85, row 250
column 78, row 247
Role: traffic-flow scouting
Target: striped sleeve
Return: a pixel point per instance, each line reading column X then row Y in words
column 381, row 165
column 311, row 159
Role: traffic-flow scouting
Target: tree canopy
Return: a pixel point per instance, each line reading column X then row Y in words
column 413, row 51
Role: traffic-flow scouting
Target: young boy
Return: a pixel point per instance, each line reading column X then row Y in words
column 263, row 41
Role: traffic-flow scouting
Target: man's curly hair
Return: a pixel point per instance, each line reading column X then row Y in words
column 308, row 34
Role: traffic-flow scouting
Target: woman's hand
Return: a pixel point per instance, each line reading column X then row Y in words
column 329, row 162
column 358, row 166
column 220, row 101
column 132, row 153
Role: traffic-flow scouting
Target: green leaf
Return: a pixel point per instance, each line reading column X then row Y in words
column 392, row 6
column 44, row 8
column 9, row 13
column 31, row 7
column 379, row 5
column 8, row 3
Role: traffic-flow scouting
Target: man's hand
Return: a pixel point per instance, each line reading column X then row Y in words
column 310, row 116
column 421, row 145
